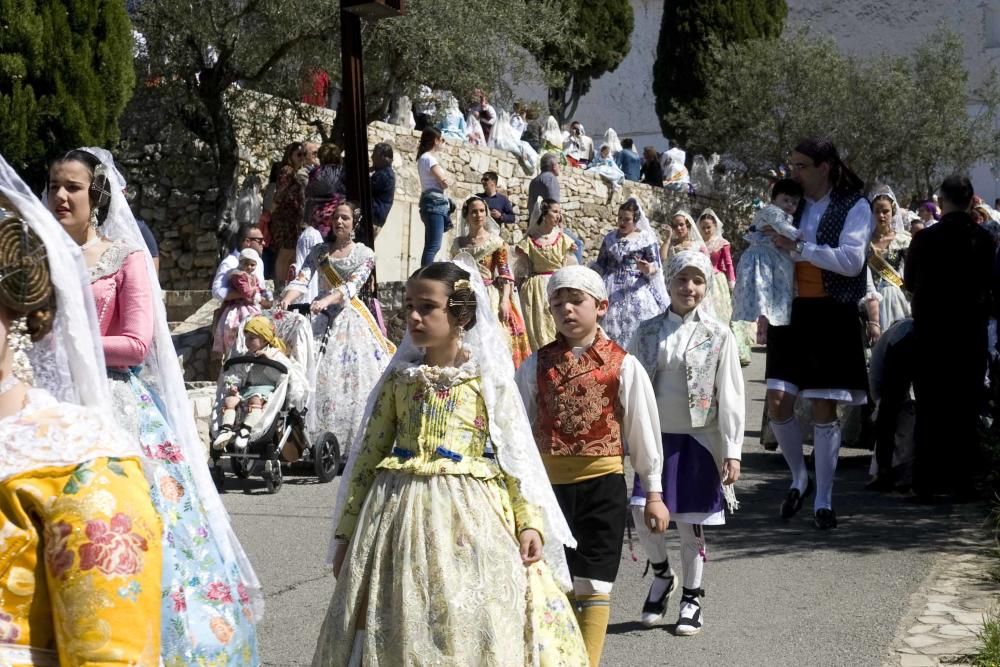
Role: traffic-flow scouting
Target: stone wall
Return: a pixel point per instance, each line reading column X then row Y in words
column 172, row 185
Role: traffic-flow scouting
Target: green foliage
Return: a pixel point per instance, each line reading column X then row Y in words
column 199, row 61
column 988, row 654
column 901, row 121
column 66, row 75
column 597, row 42
column 685, row 59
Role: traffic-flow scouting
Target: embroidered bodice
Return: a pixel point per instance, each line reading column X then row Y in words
column 491, row 256
column 618, row 255
column 546, row 255
column 353, row 269
column 80, row 557
column 579, row 411
column 895, row 253
column 430, row 421
column 124, row 300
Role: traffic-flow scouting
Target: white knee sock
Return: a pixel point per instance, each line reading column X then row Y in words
column 692, row 553
column 789, row 436
column 654, row 544
column 826, row 448
column 356, row 651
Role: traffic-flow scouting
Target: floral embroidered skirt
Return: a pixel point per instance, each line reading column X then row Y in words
column 434, row 566
column 514, row 330
column 538, row 322
column 355, row 357
column 206, row 611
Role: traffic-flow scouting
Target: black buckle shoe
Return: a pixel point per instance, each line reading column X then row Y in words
column 792, row 503
column 654, row 610
column 689, row 622
column 825, row 519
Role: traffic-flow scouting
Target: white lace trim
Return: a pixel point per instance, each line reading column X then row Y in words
column 46, row 433
column 112, row 259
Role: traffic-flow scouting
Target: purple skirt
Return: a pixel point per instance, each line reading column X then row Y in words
column 691, row 482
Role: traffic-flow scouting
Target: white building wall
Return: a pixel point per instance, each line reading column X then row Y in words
column 624, row 98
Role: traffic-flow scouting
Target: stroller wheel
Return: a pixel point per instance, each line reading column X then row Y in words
column 326, row 458
column 272, row 476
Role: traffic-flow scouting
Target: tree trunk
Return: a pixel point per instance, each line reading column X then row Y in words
column 212, row 91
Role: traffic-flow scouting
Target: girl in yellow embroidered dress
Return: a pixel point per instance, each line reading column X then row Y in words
column 438, row 552
column 539, row 254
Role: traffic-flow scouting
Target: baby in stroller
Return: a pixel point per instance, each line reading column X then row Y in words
column 248, row 390
column 244, row 303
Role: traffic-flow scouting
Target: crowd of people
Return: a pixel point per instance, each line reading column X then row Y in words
column 484, row 486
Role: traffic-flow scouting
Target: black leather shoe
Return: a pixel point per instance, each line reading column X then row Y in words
column 792, row 503
column 825, row 519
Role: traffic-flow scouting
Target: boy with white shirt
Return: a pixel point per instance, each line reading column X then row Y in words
column 585, row 397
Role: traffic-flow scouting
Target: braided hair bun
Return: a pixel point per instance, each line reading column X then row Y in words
column 461, row 297
column 25, row 282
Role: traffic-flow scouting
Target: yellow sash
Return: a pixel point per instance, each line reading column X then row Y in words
column 336, row 282
column 880, row 266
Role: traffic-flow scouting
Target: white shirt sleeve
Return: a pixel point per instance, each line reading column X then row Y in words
column 220, row 288
column 848, row 258
column 526, row 379
column 642, row 424
column 731, row 397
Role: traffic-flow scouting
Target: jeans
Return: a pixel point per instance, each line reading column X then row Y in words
column 434, row 225
column 579, row 244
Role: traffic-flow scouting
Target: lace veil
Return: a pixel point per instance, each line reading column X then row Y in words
column 899, row 220
column 491, row 225
column 510, row 430
column 69, row 362
column 611, row 141
column 162, row 372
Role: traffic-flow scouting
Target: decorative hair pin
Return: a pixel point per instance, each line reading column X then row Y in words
column 462, row 285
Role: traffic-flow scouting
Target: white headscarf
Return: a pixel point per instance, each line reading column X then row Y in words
column 717, row 240
column 69, row 361
column 611, row 139
column 578, row 277
column 694, row 234
column 162, row 372
column 553, row 135
column 509, row 428
column 699, row 261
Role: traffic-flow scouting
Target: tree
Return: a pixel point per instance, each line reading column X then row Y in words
column 202, row 62
column 65, row 77
column 902, row 121
column 598, row 44
column 685, row 60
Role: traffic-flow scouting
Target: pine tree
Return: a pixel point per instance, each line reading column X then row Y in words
column 66, row 74
column 596, row 45
column 685, row 56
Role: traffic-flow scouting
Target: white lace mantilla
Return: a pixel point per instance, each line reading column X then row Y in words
column 441, row 376
column 47, row 433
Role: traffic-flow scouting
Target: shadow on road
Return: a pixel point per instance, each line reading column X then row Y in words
column 868, row 522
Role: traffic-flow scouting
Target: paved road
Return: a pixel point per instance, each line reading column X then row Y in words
column 777, row 594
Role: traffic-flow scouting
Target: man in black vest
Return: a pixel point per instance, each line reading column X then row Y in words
column 949, row 272
column 820, row 354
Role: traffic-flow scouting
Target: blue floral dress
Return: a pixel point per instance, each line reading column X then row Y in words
column 207, row 617
column 765, row 283
column 632, row 296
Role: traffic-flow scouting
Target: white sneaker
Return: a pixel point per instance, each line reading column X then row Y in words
column 654, row 611
column 226, row 434
column 690, row 621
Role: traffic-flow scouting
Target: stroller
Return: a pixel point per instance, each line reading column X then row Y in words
column 281, row 435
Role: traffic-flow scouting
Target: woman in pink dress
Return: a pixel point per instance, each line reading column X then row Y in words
column 210, row 598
